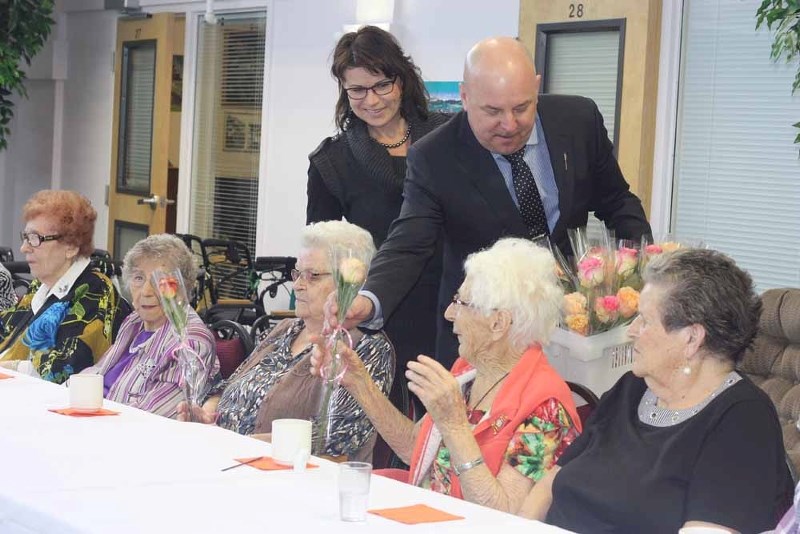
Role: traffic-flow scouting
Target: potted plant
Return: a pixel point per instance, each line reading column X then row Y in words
column 24, row 27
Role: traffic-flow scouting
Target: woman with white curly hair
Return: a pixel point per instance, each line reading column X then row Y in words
column 274, row 382
column 502, row 416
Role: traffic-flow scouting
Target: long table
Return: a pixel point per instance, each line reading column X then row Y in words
column 141, row 473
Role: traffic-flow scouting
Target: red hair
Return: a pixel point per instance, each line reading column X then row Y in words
column 72, row 213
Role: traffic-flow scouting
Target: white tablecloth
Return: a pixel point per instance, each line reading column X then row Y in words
column 140, row 473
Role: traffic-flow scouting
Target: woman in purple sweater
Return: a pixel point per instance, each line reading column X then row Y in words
column 139, row 369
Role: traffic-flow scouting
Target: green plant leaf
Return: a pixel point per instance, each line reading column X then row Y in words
column 24, row 28
column 785, row 16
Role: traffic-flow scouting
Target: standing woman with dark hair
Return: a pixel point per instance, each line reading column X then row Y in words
column 358, row 174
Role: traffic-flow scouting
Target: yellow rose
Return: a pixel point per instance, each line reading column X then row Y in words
column 574, row 303
column 353, row 271
column 670, row 246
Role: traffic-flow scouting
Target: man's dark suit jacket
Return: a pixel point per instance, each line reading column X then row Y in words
column 453, row 183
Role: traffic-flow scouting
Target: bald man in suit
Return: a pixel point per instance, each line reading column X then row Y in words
column 467, row 179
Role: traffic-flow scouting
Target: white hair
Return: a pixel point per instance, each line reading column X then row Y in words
column 518, row 276
column 330, row 235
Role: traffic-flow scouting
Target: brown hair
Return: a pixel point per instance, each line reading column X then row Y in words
column 706, row 287
column 377, row 51
column 72, row 212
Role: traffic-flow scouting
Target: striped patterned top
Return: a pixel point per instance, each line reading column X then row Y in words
column 150, row 381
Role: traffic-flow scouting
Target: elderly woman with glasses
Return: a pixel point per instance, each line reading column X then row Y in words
column 141, row 369
column 71, row 311
column 358, row 174
column 274, row 381
column 683, row 440
column 502, row 417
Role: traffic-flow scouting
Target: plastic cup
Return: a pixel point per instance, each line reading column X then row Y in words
column 354, row 480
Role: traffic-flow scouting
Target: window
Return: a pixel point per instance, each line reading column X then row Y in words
column 584, row 58
column 737, row 173
column 227, row 129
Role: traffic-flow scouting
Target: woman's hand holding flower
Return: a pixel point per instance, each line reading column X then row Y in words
column 200, row 415
column 355, row 374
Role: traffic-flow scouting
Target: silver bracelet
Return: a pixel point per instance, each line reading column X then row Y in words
column 463, row 468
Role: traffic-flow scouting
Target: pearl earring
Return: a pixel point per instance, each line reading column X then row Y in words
column 687, row 370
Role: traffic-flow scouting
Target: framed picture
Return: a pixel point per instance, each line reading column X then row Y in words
column 235, row 133
column 176, row 97
column 445, row 97
column 254, row 137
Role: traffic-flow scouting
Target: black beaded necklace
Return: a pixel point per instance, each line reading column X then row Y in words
column 400, row 142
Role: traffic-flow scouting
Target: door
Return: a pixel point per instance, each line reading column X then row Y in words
column 146, row 132
column 608, row 51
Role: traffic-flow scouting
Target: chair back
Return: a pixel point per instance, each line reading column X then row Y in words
column 233, row 345
column 773, row 362
column 231, row 268
column 589, row 399
column 6, row 254
column 200, row 298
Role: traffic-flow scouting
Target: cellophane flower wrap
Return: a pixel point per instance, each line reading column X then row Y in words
column 602, row 285
column 172, row 295
column 349, row 270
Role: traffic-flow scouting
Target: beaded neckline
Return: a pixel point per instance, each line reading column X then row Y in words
column 651, row 414
column 401, row 142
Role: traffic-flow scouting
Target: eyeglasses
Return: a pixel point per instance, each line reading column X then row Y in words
column 308, row 276
column 458, row 302
column 381, row 88
column 35, row 240
column 138, row 279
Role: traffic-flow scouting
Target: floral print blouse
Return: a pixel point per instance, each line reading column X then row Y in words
column 535, row 447
column 242, row 393
column 68, row 334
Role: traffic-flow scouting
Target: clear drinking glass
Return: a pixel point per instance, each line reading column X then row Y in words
column 354, row 490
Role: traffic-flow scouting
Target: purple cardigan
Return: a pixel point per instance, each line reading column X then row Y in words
column 150, row 381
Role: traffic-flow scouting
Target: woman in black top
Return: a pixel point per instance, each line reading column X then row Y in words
column 683, row 440
column 358, row 174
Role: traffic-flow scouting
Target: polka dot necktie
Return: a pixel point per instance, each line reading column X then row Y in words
column 530, row 203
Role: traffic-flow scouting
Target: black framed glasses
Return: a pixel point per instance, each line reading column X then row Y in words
column 35, row 239
column 308, row 276
column 383, row 87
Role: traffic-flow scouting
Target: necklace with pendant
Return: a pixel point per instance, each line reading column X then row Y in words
column 474, row 415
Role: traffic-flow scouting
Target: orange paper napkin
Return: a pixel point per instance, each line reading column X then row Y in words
column 414, row 514
column 266, row 463
column 80, row 413
column 3, row 376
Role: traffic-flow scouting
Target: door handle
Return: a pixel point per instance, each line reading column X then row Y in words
column 154, row 201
